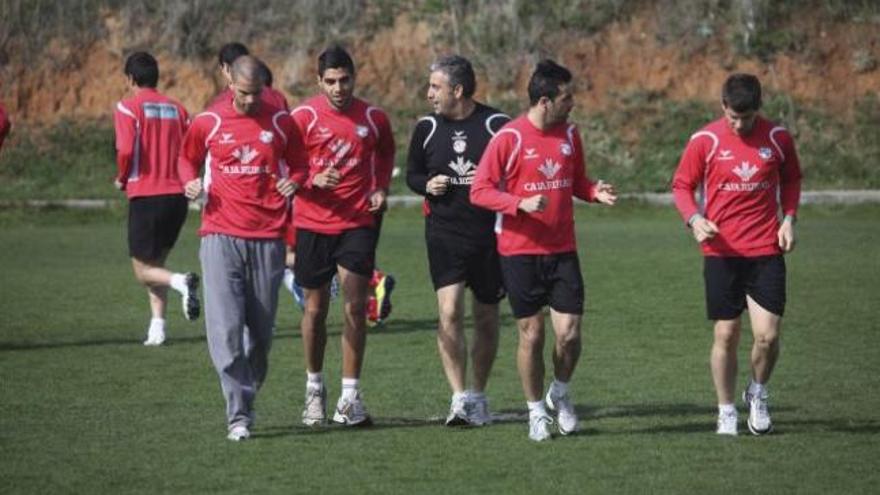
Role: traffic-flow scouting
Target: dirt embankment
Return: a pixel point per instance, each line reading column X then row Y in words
column 829, row 70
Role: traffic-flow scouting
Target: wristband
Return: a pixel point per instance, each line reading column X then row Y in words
column 693, row 218
column 790, row 218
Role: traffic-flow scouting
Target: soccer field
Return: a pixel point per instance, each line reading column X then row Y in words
column 86, row 408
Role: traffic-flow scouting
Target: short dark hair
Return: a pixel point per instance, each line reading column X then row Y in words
column 546, row 79
column 231, row 51
column 264, row 73
column 143, row 69
column 741, row 93
column 459, row 71
column 335, row 57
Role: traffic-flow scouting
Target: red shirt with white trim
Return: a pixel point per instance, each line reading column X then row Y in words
column 359, row 143
column 522, row 161
column 244, row 157
column 149, row 129
column 743, row 181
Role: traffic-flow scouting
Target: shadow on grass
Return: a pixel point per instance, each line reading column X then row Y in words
column 393, row 327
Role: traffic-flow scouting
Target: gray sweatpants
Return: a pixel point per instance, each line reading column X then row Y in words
column 241, row 280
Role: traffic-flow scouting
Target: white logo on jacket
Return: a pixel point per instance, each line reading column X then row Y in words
column 745, row 171
column 549, row 168
column 226, row 138
column 245, row 154
column 362, row 131
column 459, row 141
column 726, row 155
column 530, row 153
column 565, row 148
column 462, row 167
column 266, row 136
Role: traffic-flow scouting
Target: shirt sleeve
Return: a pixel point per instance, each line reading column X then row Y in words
column 125, row 125
column 582, row 186
column 790, row 176
column 193, row 150
column 486, row 190
column 383, row 155
column 689, row 175
column 416, row 159
column 295, row 153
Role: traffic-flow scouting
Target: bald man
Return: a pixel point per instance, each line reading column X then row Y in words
column 250, row 145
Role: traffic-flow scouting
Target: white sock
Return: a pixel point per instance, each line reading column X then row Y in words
column 536, row 408
column 350, row 388
column 178, row 282
column 314, row 380
column 157, row 323
column 726, row 409
column 460, row 396
column 558, row 389
column 757, row 389
column 287, row 280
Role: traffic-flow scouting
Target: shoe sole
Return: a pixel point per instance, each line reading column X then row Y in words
column 757, row 432
column 314, row 422
column 343, row 420
column 192, row 307
column 458, row 421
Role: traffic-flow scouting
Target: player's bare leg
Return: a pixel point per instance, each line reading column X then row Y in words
column 567, row 350
column 723, row 359
column 485, row 345
column 765, row 350
column 314, row 326
column 451, row 341
column 354, row 333
column 530, row 355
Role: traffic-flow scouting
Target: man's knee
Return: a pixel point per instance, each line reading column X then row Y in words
column 727, row 333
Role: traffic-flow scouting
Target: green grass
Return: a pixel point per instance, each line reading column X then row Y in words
column 87, row 409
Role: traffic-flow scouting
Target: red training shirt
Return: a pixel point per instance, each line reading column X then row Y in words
column 359, row 143
column 743, row 179
column 149, row 129
column 244, row 157
column 5, row 125
column 521, row 161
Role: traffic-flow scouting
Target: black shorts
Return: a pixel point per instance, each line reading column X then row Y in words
column 535, row 281
column 453, row 259
column 730, row 279
column 154, row 222
column 317, row 255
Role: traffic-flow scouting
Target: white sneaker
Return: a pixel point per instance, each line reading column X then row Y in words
column 315, row 410
column 566, row 417
column 458, row 412
column 727, row 424
column 539, row 427
column 155, row 336
column 192, row 307
column 351, row 412
column 759, row 414
column 238, row 433
column 479, row 411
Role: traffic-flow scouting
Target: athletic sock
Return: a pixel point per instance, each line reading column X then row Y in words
column 757, row 389
column 558, row 389
column 287, row 280
column 314, row 380
column 460, row 396
column 178, row 282
column 726, row 409
column 157, row 322
column 536, row 407
column 350, row 388
column 474, row 395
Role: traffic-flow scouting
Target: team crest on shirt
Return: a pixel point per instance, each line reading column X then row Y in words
column 361, row 131
column 266, row 136
column 765, row 153
column 565, row 148
column 459, row 142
